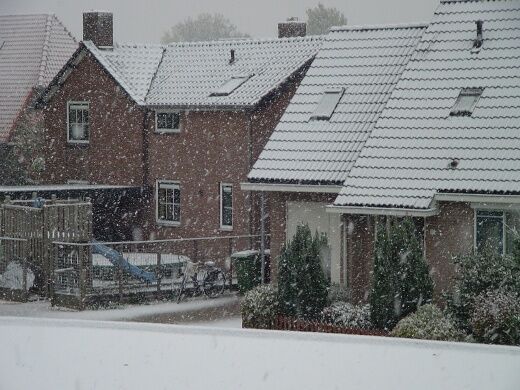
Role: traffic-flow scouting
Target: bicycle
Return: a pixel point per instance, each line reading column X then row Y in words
column 205, row 277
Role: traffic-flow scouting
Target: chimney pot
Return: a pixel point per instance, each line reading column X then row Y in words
column 98, row 27
column 292, row 27
column 480, row 37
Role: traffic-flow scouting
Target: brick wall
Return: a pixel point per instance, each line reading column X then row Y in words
column 447, row 235
column 114, row 153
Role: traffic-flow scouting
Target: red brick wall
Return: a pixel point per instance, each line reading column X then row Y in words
column 114, row 153
column 447, row 235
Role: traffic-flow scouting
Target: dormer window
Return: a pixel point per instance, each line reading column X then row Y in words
column 230, row 85
column 466, row 102
column 327, row 104
column 167, row 122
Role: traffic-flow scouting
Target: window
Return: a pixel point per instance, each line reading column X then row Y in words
column 489, row 231
column 230, row 85
column 226, row 206
column 327, row 104
column 168, row 122
column 78, row 122
column 168, row 197
column 466, row 102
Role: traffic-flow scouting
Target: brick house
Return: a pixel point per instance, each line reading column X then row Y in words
column 33, row 48
column 444, row 149
column 308, row 156
column 182, row 123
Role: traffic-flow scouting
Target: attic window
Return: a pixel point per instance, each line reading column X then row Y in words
column 327, row 104
column 466, row 102
column 229, row 86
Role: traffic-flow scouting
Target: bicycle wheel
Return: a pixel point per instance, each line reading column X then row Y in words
column 214, row 283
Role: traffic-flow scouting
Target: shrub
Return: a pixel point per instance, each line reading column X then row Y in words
column 401, row 279
column 259, row 307
column 301, row 281
column 338, row 293
column 347, row 315
column 427, row 323
column 477, row 274
column 496, row 318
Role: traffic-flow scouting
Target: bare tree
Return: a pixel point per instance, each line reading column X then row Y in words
column 320, row 19
column 205, row 27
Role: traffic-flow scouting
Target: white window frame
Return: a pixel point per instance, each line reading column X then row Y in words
column 168, row 131
column 171, row 184
column 504, row 235
column 75, row 141
column 221, row 201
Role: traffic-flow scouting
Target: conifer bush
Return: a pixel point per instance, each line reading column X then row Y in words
column 302, row 286
column 401, row 280
column 347, row 315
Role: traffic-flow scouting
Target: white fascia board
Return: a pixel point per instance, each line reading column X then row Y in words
column 269, row 187
column 478, row 198
column 398, row 212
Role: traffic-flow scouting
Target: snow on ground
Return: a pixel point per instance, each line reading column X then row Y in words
column 182, row 311
column 71, row 354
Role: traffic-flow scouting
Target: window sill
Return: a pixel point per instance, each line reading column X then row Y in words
column 226, row 228
column 78, row 144
column 166, row 131
column 168, row 223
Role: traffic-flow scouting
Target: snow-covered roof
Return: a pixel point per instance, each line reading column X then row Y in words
column 417, row 149
column 187, row 74
column 365, row 61
column 33, row 48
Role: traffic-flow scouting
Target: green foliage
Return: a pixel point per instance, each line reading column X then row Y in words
column 302, row 285
column 428, row 323
column 347, row 315
column 476, row 274
column 496, row 318
column 338, row 293
column 401, row 280
column 205, row 27
column 259, row 307
column 12, row 172
column 320, row 19
column 249, row 272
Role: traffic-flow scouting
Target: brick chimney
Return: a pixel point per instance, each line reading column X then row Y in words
column 98, row 27
column 292, row 28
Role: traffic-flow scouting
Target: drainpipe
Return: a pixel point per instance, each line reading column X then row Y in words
column 262, row 236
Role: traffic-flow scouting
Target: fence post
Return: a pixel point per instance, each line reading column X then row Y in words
column 81, row 262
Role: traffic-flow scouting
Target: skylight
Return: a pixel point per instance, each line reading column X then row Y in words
column 466, row 102
column 327, row 104
column 230, row 85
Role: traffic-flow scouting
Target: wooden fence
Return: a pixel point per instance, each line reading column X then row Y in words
column 68, row 220
column 295, row 324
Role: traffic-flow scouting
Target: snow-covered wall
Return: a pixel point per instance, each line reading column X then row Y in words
column 71, row 354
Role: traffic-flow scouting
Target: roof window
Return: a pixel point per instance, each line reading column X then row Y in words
column 327, row 104
column 230, row 85
column 466, row 102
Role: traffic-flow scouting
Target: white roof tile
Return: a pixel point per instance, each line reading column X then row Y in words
column 406, row 160
column 366, row 61
column 35, row 47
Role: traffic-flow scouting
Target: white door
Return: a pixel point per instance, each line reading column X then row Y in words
column 314, row 215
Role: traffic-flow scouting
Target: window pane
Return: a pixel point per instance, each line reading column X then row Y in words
column 466, row 102
column 85, row 116
column 490, row 232
column 227, row 197
column 230, row 85
column 161, row 195
column 227, row 217
column 176, row 118
column 177, row 196
column 161, row 120
column 161, row 212
column 177, row 213
column 169, row 212
column 72, row 115
column 169, row 122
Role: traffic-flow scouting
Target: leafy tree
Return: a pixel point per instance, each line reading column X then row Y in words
column 302, row 287
column 401, row 281
column 320, row 19
column 205, row 27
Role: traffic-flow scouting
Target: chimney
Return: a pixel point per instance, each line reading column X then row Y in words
column 480, row 38
column 98, row 27
column 292, row 28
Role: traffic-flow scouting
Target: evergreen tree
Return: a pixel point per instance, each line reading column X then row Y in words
column 401, row 280
column 302, row 287
column 320, row 19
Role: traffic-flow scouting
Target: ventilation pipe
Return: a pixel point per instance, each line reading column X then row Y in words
column 480, row 39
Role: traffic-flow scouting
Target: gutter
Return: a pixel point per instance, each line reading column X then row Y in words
column 268, row 187
column 395, row 211
column 477, row 198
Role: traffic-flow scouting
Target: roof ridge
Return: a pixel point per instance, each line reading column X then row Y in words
column 247, row 40
column 380, row 26
column 43, row 62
